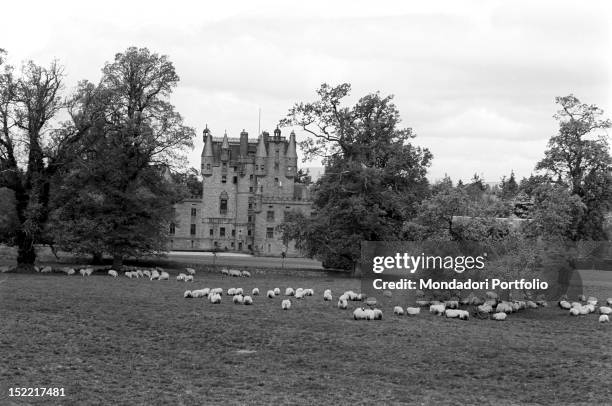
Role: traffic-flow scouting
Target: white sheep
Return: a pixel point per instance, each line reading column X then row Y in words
column 188, row 278
column 491, row 295
column 46, row 269
column 378, row 314
column 139, row 274
column 270, row 294
column 248, row 300
column 397, row 310
column 187, row 294
column 504, row 307
column 422, row 303
column 437, row 309
column 582, row 298
column 574, row 311
column 342, row 304
column 113, row 273
column 327, row 296
column 583, row 310
column 239, row 291
column 235, row 273
column 154, row 275
column 308, row 292
column 231, row 291
column 238, row 299
column 146, row 273
column 484, row 308
column 70, row 271
column 604, row 318
column 300, row 290
column 452, row 313
column 276, row 291
column 164, row 276
column 609, row 301
column 128, row 274
column 218, row 291
column 180, row 277
column 190, row 271
column 224, row 271
column 359, row 314
column 300, row 294
column 451, row 304
column 245, row 274
column 255, row 292
column 590, row 308
column 499, row 316
column 531, row 305
column 215, row 298
column 564, row 304
column 592, row 300
column 86, row 271
column 413, row 311
column 343, row 297
column 289, row 292
column 286, row 304
column 605, row 310
column 205, row 291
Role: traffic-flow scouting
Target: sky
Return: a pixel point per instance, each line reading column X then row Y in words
column 476, row 80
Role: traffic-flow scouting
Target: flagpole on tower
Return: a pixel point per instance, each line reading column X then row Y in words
column 259, row 124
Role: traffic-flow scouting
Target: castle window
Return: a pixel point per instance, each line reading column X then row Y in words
column 275, row 181
column 223, row 203
column 276, row 166
column 262, row 167
column 249, row 219
column 250, row 189
column 225, row 166
column 192, row 243
column 250, row 206
column 235, row 180
column 232, row 245
column 269, row 232
column 193, row 212
column 211, row 232
column 208, row 167
column 251, row 177
column 172, row 228
column 233, row 232
column 222, row 232
column 249, row 232
column 223, row 179
column 270, row 215
column 192, row 231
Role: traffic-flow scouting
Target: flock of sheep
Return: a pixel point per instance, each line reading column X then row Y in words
column 484, row 308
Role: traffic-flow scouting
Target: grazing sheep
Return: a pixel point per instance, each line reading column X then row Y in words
column 224, row 271
column 437, row 309
column 582, row 298
column 342, row 304
column 205, row 291
column 343, row 297
column 491, row 295
column 46, row 269
column 86, row 272
column 360, row 297
column 604, row 318
column 327, row 296
column 255, row 292
column 270, row 294
column 531, row 305
column 289, row 292
column 299, row 290
column 504, row 307
column 231, row 291
column 565, row 305
column 190, row 271
column 128, row 274
column 70, row 271
column 276, row 291
column 139, row 274
column 235, row 273
column 378, row 314
column 413, row 311
column 590, row 308
column 368, row 314
column 451, row 313
column 499, row 316
column 574, row 311
column 188, row 278
column 248, row 300
column 422, row 303
column 398, row 311
column 286, row 304
column 592, row 300
column 181, row 277
column 484, row 308
column 605, row 310
column 245, row 274
column 451, row 304
column 154, row 275
column 299, row 294
column 239, row 291
column 146, row 273
column 542, row 303
column 583, row 310
column 215, row 298
column 164, row 276
column 308, row 292
column 187, row 294
column 238, row 299
column 359, row 314
column 218, row 291
column 113, row 273
column 609, row 301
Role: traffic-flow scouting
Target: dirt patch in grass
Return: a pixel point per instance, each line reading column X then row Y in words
column 139, row 342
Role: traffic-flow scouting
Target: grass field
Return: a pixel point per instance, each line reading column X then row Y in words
column 139, row 342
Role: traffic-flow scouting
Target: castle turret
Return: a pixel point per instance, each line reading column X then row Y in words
column 291, row 157
column 244, row 144
column 261, row 157
column 225, row 149
column 208, row 158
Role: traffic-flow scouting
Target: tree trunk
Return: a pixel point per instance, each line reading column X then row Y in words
column 26, row 254
column 117, row 262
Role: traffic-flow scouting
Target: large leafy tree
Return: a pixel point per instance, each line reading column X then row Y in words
column 34, row 145
column 118, row 198
column 579, row 156
column 374, row 175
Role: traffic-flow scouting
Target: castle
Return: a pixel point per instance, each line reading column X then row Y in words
column 248, row 188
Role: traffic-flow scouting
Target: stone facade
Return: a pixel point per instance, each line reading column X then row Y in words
column 248, row 187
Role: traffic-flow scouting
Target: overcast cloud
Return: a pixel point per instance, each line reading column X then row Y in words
column 475, row 79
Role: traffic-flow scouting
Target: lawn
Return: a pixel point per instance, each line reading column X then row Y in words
column 139, row 342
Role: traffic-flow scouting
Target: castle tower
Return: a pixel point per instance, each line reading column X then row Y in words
column 225, row 149
column 208, row 158
column 261, row 157
column 291, row 157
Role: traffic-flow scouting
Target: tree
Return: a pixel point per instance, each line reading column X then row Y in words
column 190, row 180
column 122, row 199
column 303, row 177
column 374, row 176
column 31, row 152
column 509, row 188
column 579, row 156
